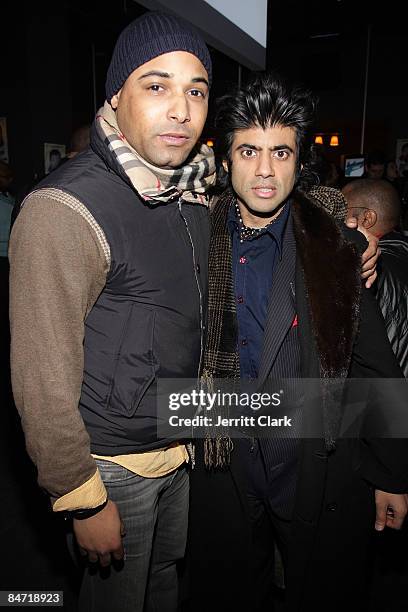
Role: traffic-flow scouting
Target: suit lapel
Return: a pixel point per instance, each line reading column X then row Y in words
column 281, row 307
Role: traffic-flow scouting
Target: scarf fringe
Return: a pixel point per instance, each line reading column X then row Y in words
column 217, row 452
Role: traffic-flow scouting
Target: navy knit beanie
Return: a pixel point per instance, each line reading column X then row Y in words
column 147, row 37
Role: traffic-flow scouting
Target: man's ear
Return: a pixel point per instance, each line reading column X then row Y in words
column 115, row 100
column 225, row 165
column 369, row 219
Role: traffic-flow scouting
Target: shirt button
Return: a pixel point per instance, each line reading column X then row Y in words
column 198, row 268
column 240, row 299
column 244, row 342
column 242, row 260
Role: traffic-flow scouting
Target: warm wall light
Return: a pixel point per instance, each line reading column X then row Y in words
column 210, row 143
column 334, row 141
column 319, row 140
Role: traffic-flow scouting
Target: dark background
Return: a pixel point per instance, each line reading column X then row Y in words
column 55, row 57
column 54, row 60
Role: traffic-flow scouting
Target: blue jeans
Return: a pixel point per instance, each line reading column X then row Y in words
column 155, row 514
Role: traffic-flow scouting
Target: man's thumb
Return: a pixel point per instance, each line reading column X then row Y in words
column 351, row 222
column 380, row 519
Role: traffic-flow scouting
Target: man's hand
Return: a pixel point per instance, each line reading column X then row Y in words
column 101, row 535
column 370, row 255
column 391, row 510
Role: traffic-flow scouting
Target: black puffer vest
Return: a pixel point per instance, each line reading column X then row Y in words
column 148, row 320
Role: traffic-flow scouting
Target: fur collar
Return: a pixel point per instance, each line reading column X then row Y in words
column 332, row 270
column 331, row 266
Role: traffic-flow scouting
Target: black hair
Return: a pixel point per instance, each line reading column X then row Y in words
column 79, row 140
column 375, row 158
column 268, row 101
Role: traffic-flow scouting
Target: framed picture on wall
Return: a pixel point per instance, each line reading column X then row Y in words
column 53, row 154
column 4, row 156
column 401, row 156
column 353, row 165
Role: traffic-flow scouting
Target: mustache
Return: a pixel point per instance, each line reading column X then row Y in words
column 264, row 185
column 175, row 132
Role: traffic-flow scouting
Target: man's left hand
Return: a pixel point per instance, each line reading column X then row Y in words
column 370, row 255
column 391, row 509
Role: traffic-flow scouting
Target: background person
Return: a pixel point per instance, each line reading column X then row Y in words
column 374, row 166
column 376, row 205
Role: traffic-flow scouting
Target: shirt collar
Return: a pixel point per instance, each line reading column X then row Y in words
column 276, row 230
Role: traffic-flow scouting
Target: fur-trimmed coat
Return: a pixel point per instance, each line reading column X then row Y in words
column 341, row 333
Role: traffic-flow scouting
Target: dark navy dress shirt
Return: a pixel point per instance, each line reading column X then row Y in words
column 253, row 263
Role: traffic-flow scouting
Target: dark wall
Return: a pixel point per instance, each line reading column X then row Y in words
column 54, row 75
column 35, row 92
column 334, row 67
column 58, row 53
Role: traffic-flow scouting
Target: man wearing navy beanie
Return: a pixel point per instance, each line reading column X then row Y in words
column 148, row 37
column 112, row 249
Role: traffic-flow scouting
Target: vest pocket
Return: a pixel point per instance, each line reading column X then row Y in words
column 135, row 365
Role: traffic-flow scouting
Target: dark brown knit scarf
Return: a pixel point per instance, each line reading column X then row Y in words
column 221, row 359
column 333, row 287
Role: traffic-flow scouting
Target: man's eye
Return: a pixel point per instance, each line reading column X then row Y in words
column 155, row 88
column 197, row 93
column 282, row 154
column 248, row 153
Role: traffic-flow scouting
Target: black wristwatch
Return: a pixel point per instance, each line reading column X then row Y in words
column 85, row 513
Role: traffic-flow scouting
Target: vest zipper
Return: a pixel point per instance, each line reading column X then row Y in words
column 190, row 446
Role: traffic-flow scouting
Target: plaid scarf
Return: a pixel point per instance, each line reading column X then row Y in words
column 191, row 181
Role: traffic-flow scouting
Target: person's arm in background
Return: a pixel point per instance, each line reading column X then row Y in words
column 370, row 255
column 384, row 461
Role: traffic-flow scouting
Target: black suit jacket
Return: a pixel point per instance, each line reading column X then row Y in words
column 333, row 519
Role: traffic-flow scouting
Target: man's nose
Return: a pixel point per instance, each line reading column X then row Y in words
column 179, row 110
column 265, row 166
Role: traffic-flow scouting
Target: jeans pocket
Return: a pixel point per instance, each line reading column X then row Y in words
column 113, row 472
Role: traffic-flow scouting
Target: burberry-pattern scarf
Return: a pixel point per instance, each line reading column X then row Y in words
column 191, row 181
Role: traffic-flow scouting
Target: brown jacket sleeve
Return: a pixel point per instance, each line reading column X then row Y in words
column 58, row 268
